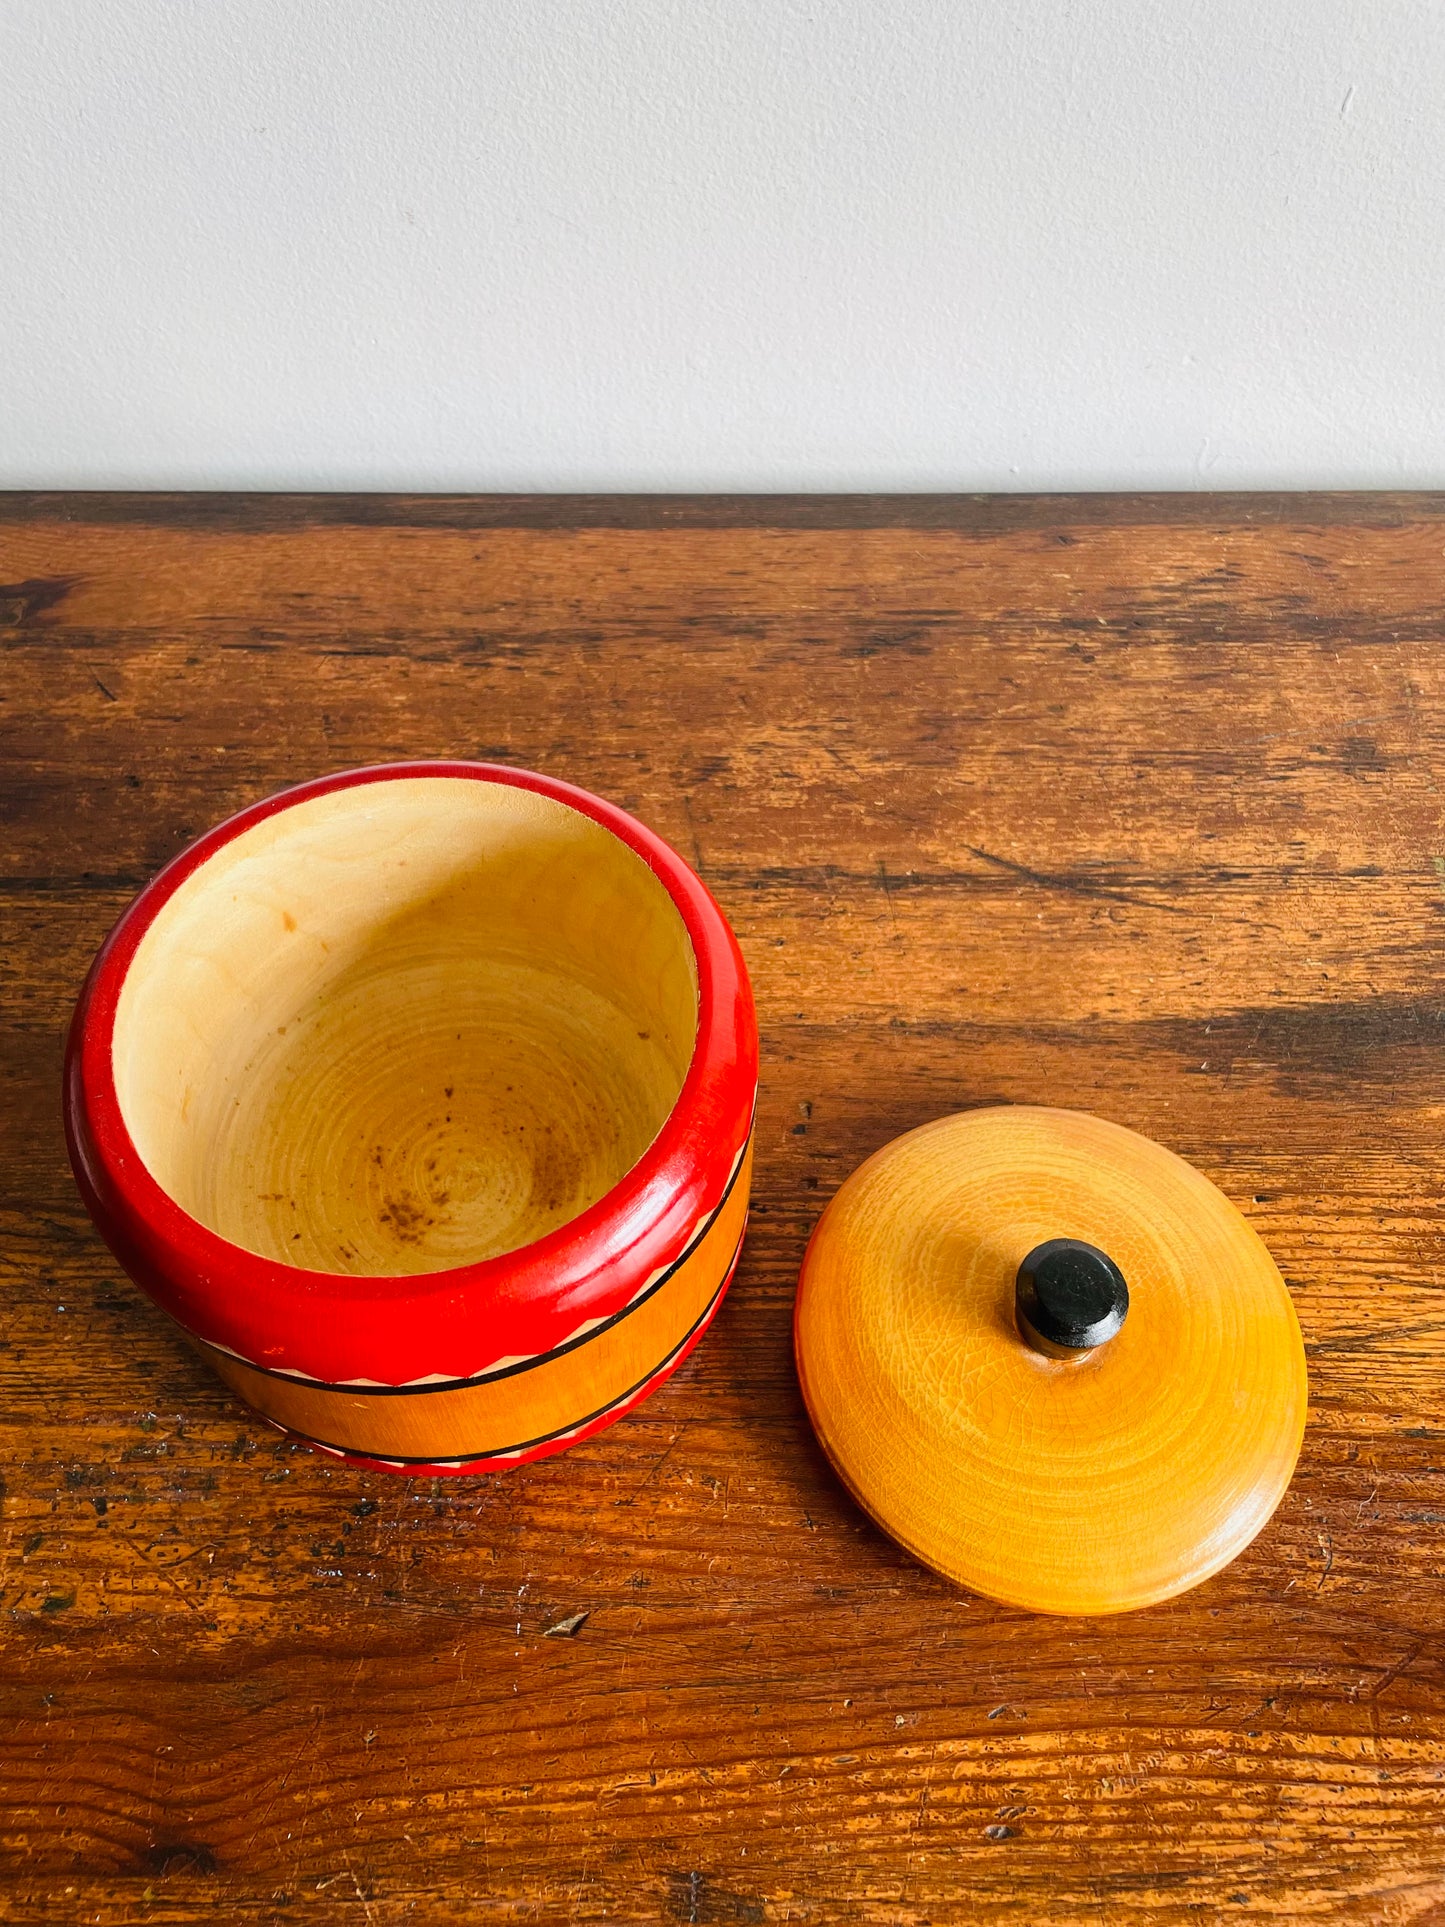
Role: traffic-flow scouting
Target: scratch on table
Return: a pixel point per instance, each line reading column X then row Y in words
column 161, row 1573
column 1387, row 1679
column 1074, row 885
column 661, row 1461
column 1327, row 1546
column 697, row 856
column 365, row 1903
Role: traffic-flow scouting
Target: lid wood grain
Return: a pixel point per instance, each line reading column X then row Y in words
column 1066, row 1477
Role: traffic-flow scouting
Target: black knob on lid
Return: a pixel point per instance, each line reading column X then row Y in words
column 1069, row 1297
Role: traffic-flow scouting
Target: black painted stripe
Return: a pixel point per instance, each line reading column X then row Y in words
column 505, row 1451
column 522, row 1364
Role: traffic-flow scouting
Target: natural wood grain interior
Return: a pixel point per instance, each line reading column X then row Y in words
column 405, row 1026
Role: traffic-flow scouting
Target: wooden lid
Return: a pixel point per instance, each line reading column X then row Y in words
column 1010, row 1415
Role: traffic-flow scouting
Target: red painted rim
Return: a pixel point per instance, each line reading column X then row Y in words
column 562, row 1441
column 449, row 1324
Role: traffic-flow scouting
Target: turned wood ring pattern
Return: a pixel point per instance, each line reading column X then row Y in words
column 421, row 1096
column 1111, row 1478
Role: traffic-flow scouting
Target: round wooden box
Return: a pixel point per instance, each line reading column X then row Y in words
column 1051, row 1359
column 421, row 1096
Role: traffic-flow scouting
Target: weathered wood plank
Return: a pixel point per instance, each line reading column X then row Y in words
column 1130, row 803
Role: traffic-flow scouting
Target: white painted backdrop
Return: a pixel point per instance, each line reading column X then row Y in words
column 771, row 244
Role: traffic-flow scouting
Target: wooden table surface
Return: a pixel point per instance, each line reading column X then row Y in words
column 1130, row 804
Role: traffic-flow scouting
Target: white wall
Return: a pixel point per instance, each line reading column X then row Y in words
column 773, row 244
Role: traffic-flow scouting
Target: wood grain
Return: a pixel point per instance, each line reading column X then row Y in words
column 1097, row 1482
column 405, row 1026
column 1124, row 804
